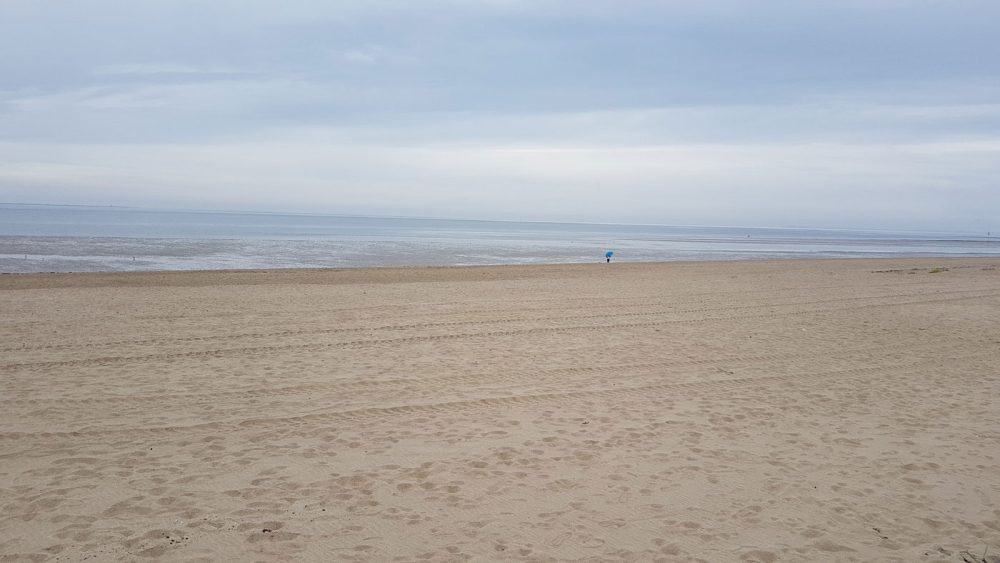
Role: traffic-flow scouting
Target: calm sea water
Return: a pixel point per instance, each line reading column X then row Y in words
column 65, row 239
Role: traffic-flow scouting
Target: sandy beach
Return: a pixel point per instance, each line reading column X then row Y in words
column 840, row 410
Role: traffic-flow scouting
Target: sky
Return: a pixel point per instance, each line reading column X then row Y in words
column 847, row 113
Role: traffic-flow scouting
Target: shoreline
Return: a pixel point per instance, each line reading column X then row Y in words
column 17, row 280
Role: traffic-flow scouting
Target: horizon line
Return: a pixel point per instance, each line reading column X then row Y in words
column 168, row 209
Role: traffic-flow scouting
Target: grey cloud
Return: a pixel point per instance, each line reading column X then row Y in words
column 843, row 113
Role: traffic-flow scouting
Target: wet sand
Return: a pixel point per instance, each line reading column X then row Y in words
column 787, row 410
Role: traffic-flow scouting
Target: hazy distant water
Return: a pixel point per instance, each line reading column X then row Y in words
column 63, row 239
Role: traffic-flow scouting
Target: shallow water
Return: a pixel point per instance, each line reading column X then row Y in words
column 66, row 238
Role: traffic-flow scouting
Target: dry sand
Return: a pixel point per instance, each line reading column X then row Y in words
column 794, row 410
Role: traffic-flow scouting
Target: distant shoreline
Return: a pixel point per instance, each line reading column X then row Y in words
column 404, row 274
column 903, row 230
column 109, row 239
column 413, row 267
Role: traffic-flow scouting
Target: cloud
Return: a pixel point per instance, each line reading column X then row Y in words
column 166, row 68
column 901, row 185
column 831, row 113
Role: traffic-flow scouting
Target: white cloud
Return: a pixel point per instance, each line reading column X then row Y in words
column 725, row 183
column 835, row 113
column 166, row 68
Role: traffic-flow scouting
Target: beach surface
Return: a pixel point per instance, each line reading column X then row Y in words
column 837, row 410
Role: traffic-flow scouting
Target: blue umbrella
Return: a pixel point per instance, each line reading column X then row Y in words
column 609, row 254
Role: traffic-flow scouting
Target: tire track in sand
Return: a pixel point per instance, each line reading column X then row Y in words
column 493, row 378
column 249, row 350
column 643, row 392
column 438, row 324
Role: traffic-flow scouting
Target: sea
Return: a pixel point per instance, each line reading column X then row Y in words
column 53, row 238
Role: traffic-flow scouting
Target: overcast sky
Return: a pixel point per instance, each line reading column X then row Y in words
column 868, row 113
